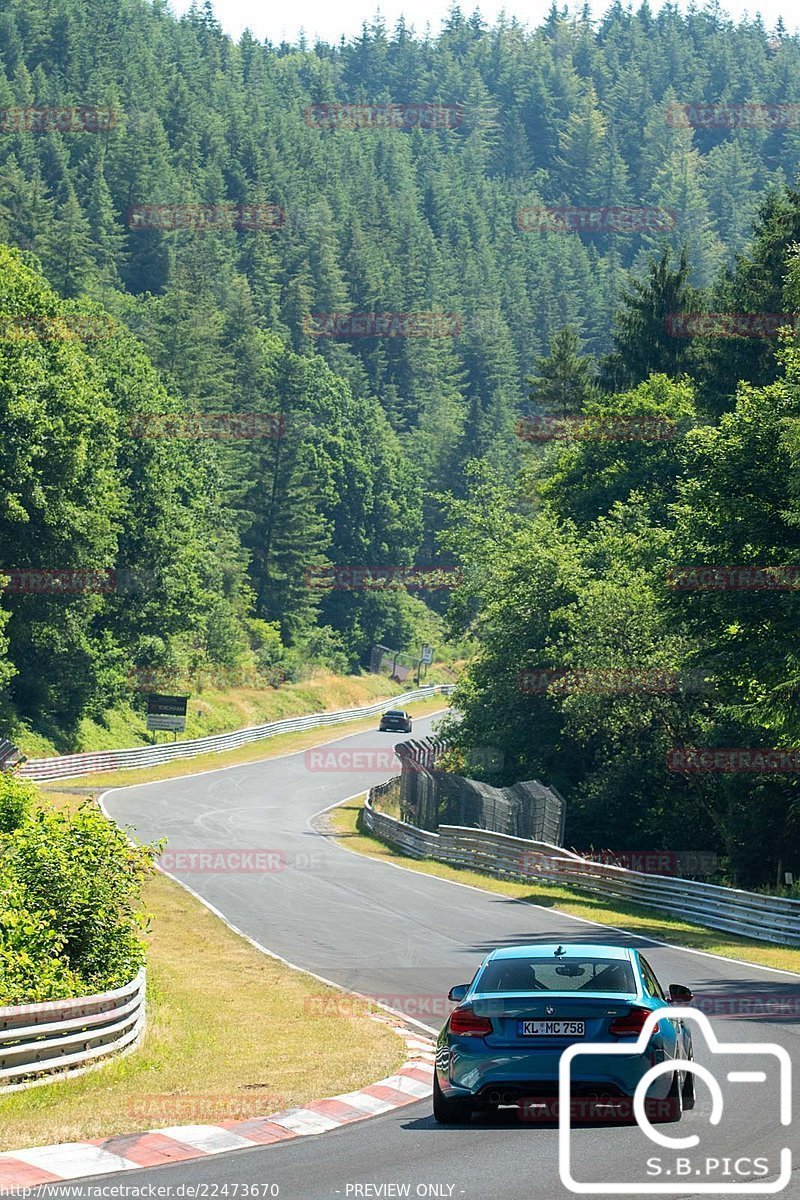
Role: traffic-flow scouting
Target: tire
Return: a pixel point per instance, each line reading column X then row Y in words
column 449, row 1112
column 688, row 1088
column 668, row 1110
column 675, row 1097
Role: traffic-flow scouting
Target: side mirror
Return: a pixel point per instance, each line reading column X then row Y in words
column 678, row 994
column 458, row 992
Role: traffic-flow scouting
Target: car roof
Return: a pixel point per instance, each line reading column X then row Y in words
column 568, row 950
column 394, row 712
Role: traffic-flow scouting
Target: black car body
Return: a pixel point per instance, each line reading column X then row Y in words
column 395, row 721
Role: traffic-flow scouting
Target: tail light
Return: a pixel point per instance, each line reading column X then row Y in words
column 630, row 1024
column 465, row 1022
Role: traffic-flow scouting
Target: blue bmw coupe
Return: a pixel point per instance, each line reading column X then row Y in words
column 502, row 1043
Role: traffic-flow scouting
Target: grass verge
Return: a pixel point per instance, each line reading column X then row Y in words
column 231, row 1033
column 344, row 821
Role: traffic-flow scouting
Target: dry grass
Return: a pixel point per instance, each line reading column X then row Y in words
column 389, row 804
column 344, row 821
column 231, row 1033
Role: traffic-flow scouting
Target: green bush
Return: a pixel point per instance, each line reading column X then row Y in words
column 70, row 906
column 33, row 966
column 16, row 799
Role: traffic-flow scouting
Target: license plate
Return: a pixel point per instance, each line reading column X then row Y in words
column 551, row 1028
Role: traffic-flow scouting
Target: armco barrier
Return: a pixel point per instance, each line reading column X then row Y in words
column 68, row 1036
column 764, row 918
column 69, row 765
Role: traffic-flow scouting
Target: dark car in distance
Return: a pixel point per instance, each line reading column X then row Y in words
column 395, row 721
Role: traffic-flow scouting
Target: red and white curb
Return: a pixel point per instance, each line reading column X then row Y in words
column 155, row 1147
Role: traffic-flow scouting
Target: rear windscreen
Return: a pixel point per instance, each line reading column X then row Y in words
column 552, row 975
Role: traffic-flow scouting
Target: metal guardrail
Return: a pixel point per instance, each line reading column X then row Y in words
column 65, row 1037
column 10, row 756
column 69, row 765
column 764, row 918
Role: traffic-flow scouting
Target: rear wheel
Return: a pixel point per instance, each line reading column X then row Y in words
column 688, row 1087
column 449, row 1112
column 673, row 1111
column 662, row 1112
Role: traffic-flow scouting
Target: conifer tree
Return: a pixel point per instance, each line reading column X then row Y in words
column 565, row 379
column 645, row 338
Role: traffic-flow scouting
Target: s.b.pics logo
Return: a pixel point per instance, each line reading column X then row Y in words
column 754, row 1073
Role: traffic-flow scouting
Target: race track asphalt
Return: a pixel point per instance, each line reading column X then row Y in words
column 405, row 938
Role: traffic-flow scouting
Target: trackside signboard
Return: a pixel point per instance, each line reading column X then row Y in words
column 166, row 712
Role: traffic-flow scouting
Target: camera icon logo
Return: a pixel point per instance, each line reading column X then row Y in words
column 690, row 1184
